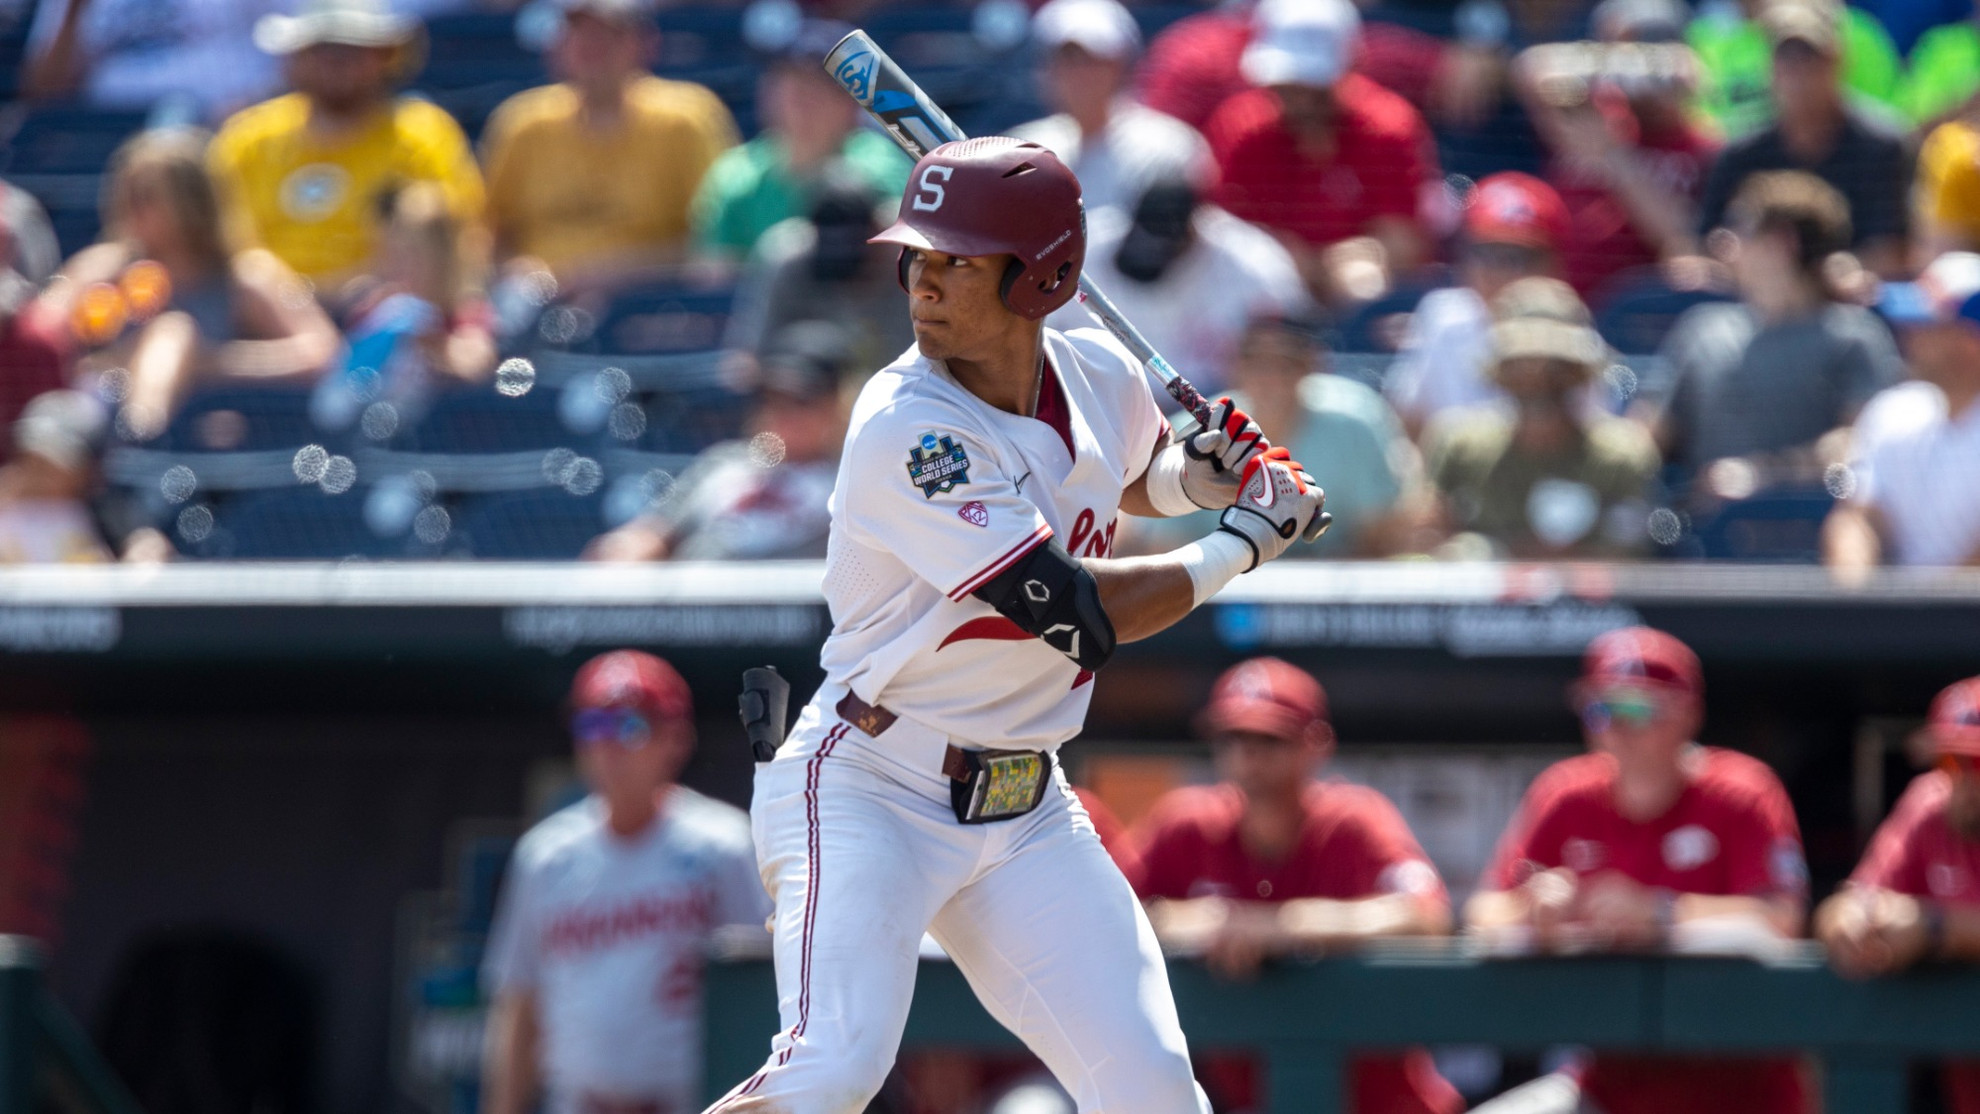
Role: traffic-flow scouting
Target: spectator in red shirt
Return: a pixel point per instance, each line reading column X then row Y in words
column 1623, row 150
column 1916, row 895
column 1196, row 65
column 1339, row 167
column 1625, row 847
column 1271, row 862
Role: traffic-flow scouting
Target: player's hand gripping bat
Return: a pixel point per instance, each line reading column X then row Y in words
column 919, row 126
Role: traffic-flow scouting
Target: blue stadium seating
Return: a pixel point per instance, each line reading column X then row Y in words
column 298, row 523
column 548, row 524
column 1636, row 310
column 483, row 421
column 247, row 419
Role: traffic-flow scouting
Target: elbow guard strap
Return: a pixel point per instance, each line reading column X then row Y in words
column 1052, row 597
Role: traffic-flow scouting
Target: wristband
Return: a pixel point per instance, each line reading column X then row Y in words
column 1165, row 484
column 1214, row 562
column 1666, row 916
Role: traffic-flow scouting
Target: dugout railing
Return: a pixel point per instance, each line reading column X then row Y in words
column 45, row 1060
column 1306, row 1018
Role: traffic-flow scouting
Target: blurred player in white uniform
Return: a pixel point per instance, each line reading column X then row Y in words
column 973, row 594
column 595, row 962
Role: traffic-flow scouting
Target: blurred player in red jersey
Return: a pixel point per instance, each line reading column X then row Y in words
column 1271, row 861
column 1916, row 895
column 1617, row 849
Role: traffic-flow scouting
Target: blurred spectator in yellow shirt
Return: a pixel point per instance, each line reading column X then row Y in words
column 1948, row 195
column 303, row 174
column 592, row 177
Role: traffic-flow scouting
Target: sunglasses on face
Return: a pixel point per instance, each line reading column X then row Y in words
column 622, row 726
column 1626, row 710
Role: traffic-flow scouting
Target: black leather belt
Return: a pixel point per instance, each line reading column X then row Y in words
column 987, row 785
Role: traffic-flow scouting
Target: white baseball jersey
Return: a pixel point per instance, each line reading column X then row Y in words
column 610, row 933
column 938, row 492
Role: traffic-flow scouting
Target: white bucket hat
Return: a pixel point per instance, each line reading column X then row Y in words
column 1302, row 42
column 349, row 22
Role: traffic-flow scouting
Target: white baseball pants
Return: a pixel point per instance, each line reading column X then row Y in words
column 862, row 854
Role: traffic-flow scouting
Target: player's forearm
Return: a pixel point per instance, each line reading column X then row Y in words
column 508, row 1074
column 1782, row 915
column 1319, row 923
column 1143, row 595
column 1494, row 909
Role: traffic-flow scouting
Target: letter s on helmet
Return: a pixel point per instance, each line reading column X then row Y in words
column 996, row 195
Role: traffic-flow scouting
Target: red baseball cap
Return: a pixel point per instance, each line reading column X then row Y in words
column 1955, row 719
column 1515, row 208
column 1641, row 656
column 1267, row 696
column 632, row 679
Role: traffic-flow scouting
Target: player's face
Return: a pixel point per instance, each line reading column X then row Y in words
column 1264, row 767
column 623, row 753
column 1963, row 807
column 1638, row 726
column 957, row 304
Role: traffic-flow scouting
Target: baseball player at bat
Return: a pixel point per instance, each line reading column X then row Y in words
column 973, row 594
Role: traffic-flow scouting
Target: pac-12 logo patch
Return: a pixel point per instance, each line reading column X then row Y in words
column 937, row 465
column 974, row 513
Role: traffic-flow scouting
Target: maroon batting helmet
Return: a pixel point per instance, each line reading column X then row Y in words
column 1955, row 719
column 998, row 196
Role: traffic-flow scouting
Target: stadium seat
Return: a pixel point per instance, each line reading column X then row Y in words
column 548, row 524
column 475, row 48
column 246, row 419
column 1635, row 310
column 659, row 320
column 483, row 421
column 1779, row 526
column 693, row 419
column 1378, row 326
column 299, row 523
column 66, row 138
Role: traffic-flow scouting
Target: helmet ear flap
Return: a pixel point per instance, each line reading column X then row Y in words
column 1013, row 271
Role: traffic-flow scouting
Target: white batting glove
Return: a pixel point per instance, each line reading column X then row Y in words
column 1215, row 456
column 1276, row 503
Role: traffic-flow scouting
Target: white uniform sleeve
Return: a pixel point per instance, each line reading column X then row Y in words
column 1125, row 390
column 513, row 959
column 923, row 485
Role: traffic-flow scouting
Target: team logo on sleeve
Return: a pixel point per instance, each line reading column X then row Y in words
column 937, row 465
column 974, row 513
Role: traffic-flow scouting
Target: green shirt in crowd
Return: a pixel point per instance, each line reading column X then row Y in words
column 751, row 187
column 1588, row 500
column 1945, row 70
column 1735, row 60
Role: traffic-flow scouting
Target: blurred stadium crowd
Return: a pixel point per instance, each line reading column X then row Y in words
column 1522, row 279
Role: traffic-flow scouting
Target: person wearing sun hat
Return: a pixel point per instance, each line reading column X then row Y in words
column 1623, row 848
column 1274, row 861
column 1546, row 476
column 1515, row 226
column 1915, row 897
column 303, row 174
column 592, row 177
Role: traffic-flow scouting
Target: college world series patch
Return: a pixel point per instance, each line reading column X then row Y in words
column 937, row 465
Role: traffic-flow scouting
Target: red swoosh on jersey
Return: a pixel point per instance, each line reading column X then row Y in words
column 993, row 627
